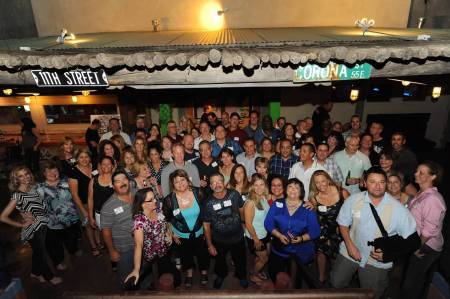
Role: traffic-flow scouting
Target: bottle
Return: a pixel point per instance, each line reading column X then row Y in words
column 347, row 178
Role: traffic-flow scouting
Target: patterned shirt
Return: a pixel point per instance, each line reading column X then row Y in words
column 62, row 212
column 154, row 235
column 33, row 203
column 157, row 174
column 278, row 165
column 333, row 170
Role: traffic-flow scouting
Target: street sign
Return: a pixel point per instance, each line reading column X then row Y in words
column 332, row 72
column 75, row 78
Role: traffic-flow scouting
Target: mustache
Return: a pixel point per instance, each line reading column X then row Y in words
column 123, row 185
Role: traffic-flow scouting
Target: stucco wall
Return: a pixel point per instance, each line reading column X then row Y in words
column 81, row 16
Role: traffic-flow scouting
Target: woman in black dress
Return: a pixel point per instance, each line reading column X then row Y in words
column 30, row 143
column 79, row 180
column 326, row 198
column 67, row 156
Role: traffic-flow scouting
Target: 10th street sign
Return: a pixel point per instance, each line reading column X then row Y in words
column 332, row 72
column 74, row 78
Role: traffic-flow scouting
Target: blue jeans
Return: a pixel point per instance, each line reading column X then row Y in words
column 124, row 266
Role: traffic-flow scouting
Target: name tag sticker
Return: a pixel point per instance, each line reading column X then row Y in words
column 322, row 209
column 357, row 214
column 214, row 164
column 244, row 198
column 95, row 172
column 176, row 212
column 197, row 154
column 236, row 138
column 230, row 148
column 227, row 203
column 118, row 210
column 279, row 204
column 73, row 161
column 217, row 206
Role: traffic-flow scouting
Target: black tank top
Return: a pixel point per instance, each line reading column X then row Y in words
column 101, row 194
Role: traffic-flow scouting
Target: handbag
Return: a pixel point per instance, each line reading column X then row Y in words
column 393, row 246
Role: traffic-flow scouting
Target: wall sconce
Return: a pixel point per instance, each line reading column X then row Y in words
column 26, row 108
column 155, row 24
column 364, row 24
column 436, row 92
column 27, row 100
column 85, row 92
column 7, row 92
column 74, row 99
column 406, row 83
column 222, row 11
column 354, row 94
column 63, row 36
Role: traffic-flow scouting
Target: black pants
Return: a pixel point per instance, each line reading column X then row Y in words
column 238, row 254
column 417, row 274
column 164, row 264
column 39, row 265
column 57, row 239
column 194, row 247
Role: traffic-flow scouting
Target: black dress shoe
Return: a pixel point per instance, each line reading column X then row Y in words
column 218, row 283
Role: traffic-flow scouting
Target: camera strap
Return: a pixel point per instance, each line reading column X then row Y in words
column 378, row 220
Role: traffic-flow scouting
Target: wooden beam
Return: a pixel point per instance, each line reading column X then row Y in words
column 216, row 75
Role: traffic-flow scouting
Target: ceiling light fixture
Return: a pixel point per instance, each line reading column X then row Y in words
column 27, row 100
column 354, row 94
column 7, row 91
column 436, row 93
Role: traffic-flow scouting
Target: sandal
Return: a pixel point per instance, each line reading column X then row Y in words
column 255, row 279
column 95, row 252
column 262, row 276
column 100, row 246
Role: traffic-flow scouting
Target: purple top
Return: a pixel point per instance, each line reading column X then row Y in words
column 428, row 209
column 154, row 235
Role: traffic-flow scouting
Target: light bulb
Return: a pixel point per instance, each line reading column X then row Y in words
column 405, row 83
column 7, row 92
column 436, row 92
column 354, row 93
column 27, row 100
column 85, row 93
column 74, row 99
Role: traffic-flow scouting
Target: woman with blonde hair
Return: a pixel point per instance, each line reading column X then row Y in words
column 128, row 159
column 140, row 148
column 26, row 200
column 119, row 142
column 256, row 208
column 326, row 198
column 66, row 155
column 142, row 177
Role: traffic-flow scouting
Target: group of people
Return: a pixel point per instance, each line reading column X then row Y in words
column 313, row 192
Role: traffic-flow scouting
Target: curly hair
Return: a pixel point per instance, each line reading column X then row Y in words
column 14, row 183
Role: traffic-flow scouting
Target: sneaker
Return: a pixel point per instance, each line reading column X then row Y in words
column 55, row 280
column 188, row 282
column 40, row 278
column 243, row 283
column 218, row 283
column 204, row 279
column 61, row 267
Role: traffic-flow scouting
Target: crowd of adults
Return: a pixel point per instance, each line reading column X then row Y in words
column 313, row 192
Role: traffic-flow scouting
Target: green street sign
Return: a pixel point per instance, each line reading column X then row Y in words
column 332, row 72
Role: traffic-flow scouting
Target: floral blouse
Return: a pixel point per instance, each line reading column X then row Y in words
column 62, row 212
column 154, row 235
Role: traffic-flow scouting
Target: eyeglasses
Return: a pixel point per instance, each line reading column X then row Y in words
column 151, row 200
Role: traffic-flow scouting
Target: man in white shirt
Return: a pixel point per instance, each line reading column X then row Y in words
column 352, row 163
column 114, row 129
column 247, row 158
column 304, row 169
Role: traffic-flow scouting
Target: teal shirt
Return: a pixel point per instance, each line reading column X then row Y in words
column 190, row 215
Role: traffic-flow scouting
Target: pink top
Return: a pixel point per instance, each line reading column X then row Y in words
column 428, row 208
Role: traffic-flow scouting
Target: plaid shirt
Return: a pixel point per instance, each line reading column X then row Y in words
column 281, row 167
column 333, row 170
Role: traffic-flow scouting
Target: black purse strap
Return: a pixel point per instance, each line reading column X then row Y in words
column 378, row 220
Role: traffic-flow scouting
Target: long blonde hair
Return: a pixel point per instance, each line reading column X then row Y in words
column 251, row 191
column 313, row 191
column 14, row 184
column 61, row 147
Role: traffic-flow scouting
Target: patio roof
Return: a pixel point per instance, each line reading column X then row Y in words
column 248, row 48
